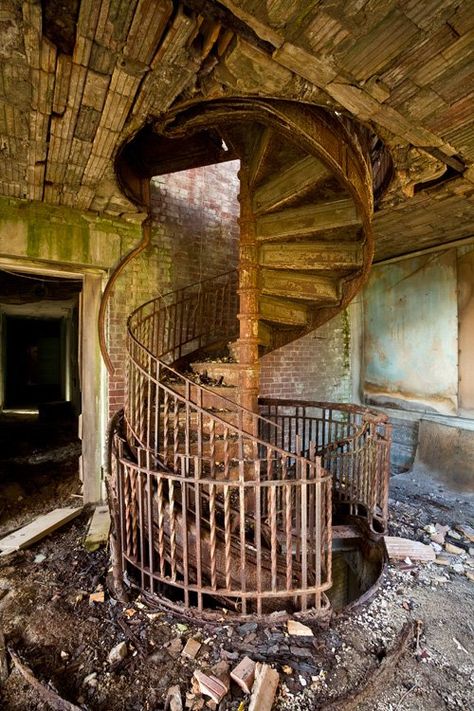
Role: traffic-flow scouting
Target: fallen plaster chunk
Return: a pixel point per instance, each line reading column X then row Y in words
column 297, row 629
column 401, row 548
column 118, row 653
column 173, row 699
column 264, row 688
column 99, row 527
column 244, row 674
column 37, row 529
column 211, row 686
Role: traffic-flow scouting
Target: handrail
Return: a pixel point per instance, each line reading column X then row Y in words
column 354, row 445
column 156, row 354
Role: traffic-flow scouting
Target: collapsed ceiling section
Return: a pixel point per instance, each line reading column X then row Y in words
column 78, row 83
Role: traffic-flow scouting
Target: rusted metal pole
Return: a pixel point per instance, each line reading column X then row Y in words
column 249, row 377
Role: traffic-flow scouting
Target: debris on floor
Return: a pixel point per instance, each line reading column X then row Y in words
column 37, row 529
column 410, row 648
column 99, row 528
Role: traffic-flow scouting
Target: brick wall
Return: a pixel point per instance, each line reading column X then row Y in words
column 315, row 367
column 195, row 222
column 195, row 235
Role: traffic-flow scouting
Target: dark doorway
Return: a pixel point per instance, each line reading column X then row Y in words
column 34, row 370
column 40, row 398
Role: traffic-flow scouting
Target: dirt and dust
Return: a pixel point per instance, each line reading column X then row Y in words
column 411, row 648
column 38, row 466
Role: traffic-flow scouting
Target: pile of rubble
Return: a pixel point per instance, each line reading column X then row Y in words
column 454, row 547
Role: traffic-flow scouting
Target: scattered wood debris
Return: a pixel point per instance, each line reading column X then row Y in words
column 3, row 660
column 99, row 529
column 211, row 686
column 45, row 692
column 401, row 548
column 118, row 653
column 297, row 629
column 191, row 648
column 98, row 596
column 264, row 688
column 37, row 529
column 244, row 674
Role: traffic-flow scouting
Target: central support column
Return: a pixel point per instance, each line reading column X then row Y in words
column 249, row 377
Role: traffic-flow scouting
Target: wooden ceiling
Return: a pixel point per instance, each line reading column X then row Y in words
column 79, row 78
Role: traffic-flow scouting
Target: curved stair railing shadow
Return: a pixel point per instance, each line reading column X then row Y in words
column 219, row 506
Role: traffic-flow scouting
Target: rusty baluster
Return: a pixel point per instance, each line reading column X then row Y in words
column 318, row 537
column 273, row 535
column 172, row 526
column 149, row 510
column 258, row 535
column 288, row 526
column 184, row 529
column 166, row 415
column 242, row 518
column 197, row 525
column 133, row 512
column 226, row 452
column 212, row 535
column 302, row 465
column 175, row 432
column 212, row 446
column 227, row 538
column 141, row 511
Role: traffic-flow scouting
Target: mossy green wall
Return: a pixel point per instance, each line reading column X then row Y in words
column 32, row 230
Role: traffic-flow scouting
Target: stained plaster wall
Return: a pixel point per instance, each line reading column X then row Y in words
column 418, row 351
column 418, row 359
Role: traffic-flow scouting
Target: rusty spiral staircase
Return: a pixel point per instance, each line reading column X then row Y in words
column 222, row 499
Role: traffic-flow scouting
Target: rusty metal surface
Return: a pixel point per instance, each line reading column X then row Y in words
column 353, row 443
column 207, row 508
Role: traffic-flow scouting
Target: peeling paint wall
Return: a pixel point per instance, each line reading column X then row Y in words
column 411, row 334
column 466, row 331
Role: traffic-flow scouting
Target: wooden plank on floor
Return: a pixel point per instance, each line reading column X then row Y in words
column 99, row 528
column 401, row 548
column 37, row 529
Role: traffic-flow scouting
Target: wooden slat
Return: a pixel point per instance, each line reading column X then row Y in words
column 148, row 25
column 292, row 183
column 320, row 256
column 37, row 529
column 283, row 311
column 260, row 155
column 401, row 548
column 320, row 289
column 307, row 220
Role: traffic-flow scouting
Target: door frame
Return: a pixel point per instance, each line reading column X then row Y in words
column 91, row 368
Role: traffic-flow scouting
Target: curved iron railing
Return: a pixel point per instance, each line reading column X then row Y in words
column 208, row 508
column 353, row 443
